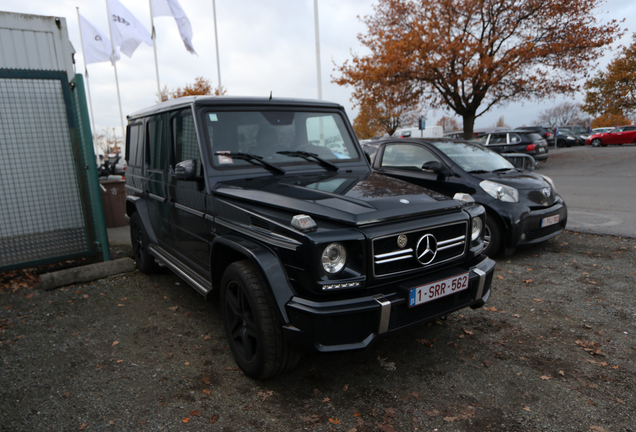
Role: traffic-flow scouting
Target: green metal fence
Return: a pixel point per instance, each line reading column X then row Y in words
column 50, row 204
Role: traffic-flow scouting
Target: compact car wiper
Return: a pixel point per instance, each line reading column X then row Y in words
column 253, row 158
column 504, row 169
column 308, row 156
column 478, row 172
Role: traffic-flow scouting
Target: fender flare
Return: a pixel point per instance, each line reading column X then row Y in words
column 269, row 264
column 135, row 204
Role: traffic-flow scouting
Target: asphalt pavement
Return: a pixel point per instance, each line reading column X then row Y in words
column 598, row 186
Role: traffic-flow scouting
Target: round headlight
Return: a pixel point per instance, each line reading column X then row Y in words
column 477, row 227
column 334, row 258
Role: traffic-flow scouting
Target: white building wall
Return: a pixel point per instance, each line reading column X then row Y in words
column 35, row 42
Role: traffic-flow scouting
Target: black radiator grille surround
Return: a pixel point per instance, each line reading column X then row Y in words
column 451, row 244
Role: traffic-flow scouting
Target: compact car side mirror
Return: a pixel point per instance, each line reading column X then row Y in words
column 436, row 167
column 186, row 170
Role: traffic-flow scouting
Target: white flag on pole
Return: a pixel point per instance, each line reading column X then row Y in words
column 126, row 30
column 173, row 8
column 96, row 45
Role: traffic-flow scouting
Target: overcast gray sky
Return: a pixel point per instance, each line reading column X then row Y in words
column 264, row 46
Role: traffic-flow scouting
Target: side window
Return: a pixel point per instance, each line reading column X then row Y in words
column 497, row 139
column 184, row 139
column 155, row 144
column 406, row 156
column 514, row 138
column 135, row 156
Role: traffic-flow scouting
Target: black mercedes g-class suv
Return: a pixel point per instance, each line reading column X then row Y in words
column 272, row 203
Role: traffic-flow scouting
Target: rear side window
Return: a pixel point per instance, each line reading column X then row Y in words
column 514, row 138
column 134, row 155
column 498, row 139
column 156, row 145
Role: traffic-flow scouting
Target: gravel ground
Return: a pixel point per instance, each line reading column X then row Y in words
column 553, row 350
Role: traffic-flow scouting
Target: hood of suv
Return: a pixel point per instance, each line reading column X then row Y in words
column 349, row 198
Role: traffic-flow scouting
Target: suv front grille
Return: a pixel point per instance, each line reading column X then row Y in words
column 446, row 242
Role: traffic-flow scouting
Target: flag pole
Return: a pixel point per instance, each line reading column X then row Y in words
column 88, row 87
column 317, row 49
column 216, row 40
column 112, row 59
column 154, row 47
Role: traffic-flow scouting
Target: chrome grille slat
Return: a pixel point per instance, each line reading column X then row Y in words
column 405, row 251
column 390, row 259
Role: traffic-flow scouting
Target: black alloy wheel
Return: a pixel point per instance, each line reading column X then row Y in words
column 139, row 239
column 596, row 142
column 252, row 326
column 492, row 237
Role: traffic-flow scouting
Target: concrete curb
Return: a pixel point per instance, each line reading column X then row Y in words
column 87, row 273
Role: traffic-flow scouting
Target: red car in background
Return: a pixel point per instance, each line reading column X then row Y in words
column 620, row 135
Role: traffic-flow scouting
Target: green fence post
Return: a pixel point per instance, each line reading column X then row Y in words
column 86, row 143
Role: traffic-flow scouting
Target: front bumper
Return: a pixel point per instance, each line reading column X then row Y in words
column 529, row 230
column 353, row 323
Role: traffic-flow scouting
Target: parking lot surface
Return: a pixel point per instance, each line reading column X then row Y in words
column 553, row 350
column 598, row 187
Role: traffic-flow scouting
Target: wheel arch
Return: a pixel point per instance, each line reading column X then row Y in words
column 134, row 205
column 504, row 224
column 228, row 249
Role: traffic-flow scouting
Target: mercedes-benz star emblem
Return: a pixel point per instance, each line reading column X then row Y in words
column 426, row 249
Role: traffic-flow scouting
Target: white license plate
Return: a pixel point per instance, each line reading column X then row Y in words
column 551, row 220
column 439, row 289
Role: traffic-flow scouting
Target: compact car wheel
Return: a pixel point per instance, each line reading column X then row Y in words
column 252, row 326
column 596, row 142
column 139, row 238
column 492, row 237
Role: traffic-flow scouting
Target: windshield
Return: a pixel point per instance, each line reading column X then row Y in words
column 473, row 157
column 269, row 134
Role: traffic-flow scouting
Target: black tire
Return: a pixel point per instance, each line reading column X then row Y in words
column 252, row 326
column 596, row 142
column 139, row 238
column 493, row 237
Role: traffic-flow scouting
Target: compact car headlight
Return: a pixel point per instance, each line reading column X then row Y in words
column 476, row 230
column 334, row 258
column 499, row 191
column 549, row 180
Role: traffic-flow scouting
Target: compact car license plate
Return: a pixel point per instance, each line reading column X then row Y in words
column 439, row 289
column 551, row 220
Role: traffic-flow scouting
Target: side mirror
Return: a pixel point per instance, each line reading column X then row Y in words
column 436, row 167
column 186, row 170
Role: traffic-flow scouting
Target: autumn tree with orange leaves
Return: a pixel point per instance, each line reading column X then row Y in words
column 201, row 86
column 613, row 91
column 471, row 55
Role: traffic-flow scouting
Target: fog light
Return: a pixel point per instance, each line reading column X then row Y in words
column 523, row 236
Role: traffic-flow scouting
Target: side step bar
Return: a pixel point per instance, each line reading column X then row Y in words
column 199, row 283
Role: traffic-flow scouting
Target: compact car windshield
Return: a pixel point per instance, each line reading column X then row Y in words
column 473, row 157
column 278, row 137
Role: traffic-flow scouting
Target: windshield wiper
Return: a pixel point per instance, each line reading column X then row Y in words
column 308, row 156
column 253, row 158
column 503, row 169
column 478, row 172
